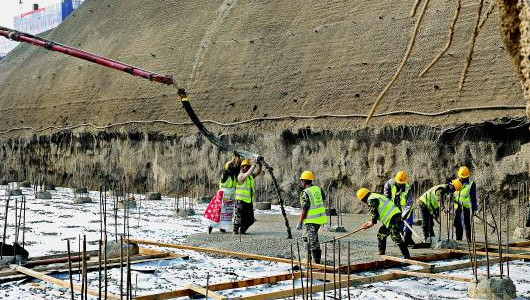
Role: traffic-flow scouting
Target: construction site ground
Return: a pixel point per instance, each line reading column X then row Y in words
column 51, row 222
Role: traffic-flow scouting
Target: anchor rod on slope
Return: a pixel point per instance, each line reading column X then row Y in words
column 135, row 71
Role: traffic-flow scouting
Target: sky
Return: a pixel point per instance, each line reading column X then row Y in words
column 11, row 8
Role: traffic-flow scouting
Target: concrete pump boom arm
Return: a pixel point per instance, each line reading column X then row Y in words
column 100, row 60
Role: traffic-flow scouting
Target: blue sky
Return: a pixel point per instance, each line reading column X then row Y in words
column 11, row 8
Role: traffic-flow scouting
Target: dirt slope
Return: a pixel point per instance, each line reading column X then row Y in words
column 243, row 59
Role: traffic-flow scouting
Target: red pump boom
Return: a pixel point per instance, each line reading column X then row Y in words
column 100, row 60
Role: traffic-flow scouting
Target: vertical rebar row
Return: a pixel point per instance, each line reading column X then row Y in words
column 339, row 272
column 334, row 272
column 507, row 236
column 485, row 221
column 70, row 270
column 292, row 273
column 500, row 237
column 349, row 270
column 325, row 268
column 474, row 248
column 301, row 271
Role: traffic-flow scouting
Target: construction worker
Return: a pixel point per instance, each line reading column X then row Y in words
column 227, row 185
column 313, row 214
column 384, row 210
column 245, row 196
column 429, row 204
column 465, row 203
column 398, row 190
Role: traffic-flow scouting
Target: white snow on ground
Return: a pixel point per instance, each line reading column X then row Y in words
column 51, row 222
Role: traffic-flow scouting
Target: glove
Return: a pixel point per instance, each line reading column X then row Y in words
column 299, row 226
column 368, row 225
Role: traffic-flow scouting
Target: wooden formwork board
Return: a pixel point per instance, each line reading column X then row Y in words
column 434, row 275
column 206, row 292
column 182, row 292
column 382, row 263
column 361, row 281
column 62, row 283
column 407, row 261
column 341, row 280
column 147, row 255
column 495, row 254
column 429, row 270
column 226, row 253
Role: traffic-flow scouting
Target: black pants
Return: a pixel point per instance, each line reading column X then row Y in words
column 243, row 217
column 458, row 223
column 427, row 223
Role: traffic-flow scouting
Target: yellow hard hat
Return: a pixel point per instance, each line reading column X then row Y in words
column 401, row 177
column 361, row 193
column 463, row 172
column 246, row 162
column 457, row 184
column 307, row 175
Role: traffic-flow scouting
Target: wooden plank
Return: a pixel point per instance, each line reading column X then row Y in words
column 380, row 264
column 148, row 251
column 321, row 287
column 434, row 275
column 407, row 261
column 209, row 293
column 495, row 254
column 182, row 292
column 329, row 276
column 361, row 281
column 8, row 276
column 59, row 282
column 225, row 252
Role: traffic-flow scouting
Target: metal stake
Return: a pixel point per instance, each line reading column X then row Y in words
column 301, row 271
column 70, row 270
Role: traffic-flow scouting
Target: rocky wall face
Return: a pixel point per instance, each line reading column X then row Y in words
column 498, row 154
column 515, row 23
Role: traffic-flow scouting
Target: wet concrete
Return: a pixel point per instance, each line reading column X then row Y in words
column 268, row 237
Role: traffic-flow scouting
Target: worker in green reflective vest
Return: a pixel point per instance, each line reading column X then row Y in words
column 398, row 190
column 431, row 202
column 245, row 196
column 313, row 214
column 384, row 210
column 465, row 204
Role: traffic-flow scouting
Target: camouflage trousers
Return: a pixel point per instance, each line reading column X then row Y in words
column 243, row 217
column 311, row 231
column 393, row 229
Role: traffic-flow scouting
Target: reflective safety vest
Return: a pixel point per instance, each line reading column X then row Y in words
column 463, row 196
column 386, row 209
column 229, row 188
column 317, row 211
column 402, row 195
column 245, row 192
column 430, row 198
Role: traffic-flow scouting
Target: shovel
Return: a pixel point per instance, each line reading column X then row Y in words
column 417, row 245
column 343, row 236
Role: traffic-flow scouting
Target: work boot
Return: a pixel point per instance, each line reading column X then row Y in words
column 381, row 244
column 210, row 228
column 317, row 254
column 404, row 250
column 222, row 230
column 408, row 239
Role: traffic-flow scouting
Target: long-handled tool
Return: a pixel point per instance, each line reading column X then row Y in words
column 417, row 245
column 344, row 235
